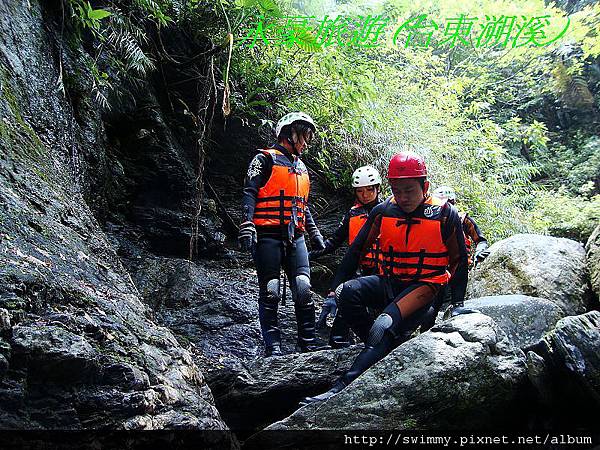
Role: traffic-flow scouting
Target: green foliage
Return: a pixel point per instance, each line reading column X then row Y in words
column 576, row 167
column 119, row 35
column 88, row 17
column 473, row 113
column 564, row 216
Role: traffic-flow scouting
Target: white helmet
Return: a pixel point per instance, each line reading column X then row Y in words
column 292, row 117
column 445, row 192
column 365, row 176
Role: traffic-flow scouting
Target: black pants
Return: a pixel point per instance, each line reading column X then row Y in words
column 339, row 336
column 270, row 255
column 404, row 304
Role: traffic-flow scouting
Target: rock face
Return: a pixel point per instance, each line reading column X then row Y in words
column 212, row 304
column 463, row 373
column 265, row 390
column 537, row 266
column 78, row 348
column 524, row 319
column 592, row 249
column 572, row 357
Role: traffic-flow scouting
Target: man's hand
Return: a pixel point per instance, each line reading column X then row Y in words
column 329, row 308
column 317, row 242
column 457, row 309
column 247, row 237
column 314, row 254
column 481, row 252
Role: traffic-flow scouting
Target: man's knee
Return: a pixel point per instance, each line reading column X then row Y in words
column 345, row 294
column 303, row 294
column 272, row 292
column 382, row 324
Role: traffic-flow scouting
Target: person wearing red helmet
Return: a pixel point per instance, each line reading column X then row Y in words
column 421, row 247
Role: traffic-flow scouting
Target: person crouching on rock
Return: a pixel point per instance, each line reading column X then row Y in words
column 421, row 247
column 366, row 182
column 276, row 214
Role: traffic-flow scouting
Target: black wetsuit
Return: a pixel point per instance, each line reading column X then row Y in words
column 274, row 250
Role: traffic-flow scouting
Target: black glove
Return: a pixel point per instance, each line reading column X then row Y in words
column 329, row 307
column 247, row 237
column 314, row 254
column 457, row 309
column 317, row 242
column 481, row 251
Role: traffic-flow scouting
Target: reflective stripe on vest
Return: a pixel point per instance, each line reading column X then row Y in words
column 284, row 197
column 412, row 249
column 355, row 224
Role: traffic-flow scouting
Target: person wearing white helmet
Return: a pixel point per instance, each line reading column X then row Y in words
column 472, row 232
column 366, row 182
column 275, row 217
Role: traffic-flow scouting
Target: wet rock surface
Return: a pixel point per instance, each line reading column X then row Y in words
column 265, row 390
column 592, row 249
column 524, row 319
column 78, row 346
column 537, row 266
column 568, row 380
column 466, row 365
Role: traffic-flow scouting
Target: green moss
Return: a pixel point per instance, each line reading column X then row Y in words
column 409, row 424
column 17, row 137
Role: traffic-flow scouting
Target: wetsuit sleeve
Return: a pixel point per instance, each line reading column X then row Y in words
column 471, row 229
column 339, row 235
column 258, row 174
column 311, row 226
column 457, row 253
column 361, row 245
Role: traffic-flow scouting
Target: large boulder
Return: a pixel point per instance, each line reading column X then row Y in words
column 265, row 390
column 463, row 373
column 592, row 249
column 537, row 266
column 524, row 319
column 571, row 368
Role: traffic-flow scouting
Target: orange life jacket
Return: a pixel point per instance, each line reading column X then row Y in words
column 411, row 247
column 468, row 240
column 358, row 217
column 284, row 198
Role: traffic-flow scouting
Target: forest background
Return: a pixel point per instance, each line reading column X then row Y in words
column 512, row 126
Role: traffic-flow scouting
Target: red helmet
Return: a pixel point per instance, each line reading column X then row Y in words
column 407, row 165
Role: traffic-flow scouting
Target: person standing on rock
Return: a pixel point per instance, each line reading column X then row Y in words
column 366, row 183
column 421, row 247
column 276, row 215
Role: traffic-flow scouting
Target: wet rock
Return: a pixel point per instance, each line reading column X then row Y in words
column 572, row 355
column 83, row 351
column 540, row 378
column 592, row 249
column 3, row 366
column 524, row 319
column 262, row 391
column 537, row 266
column 4, row 319
column 466, row 365
column 211, row 304
column 54, row 353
